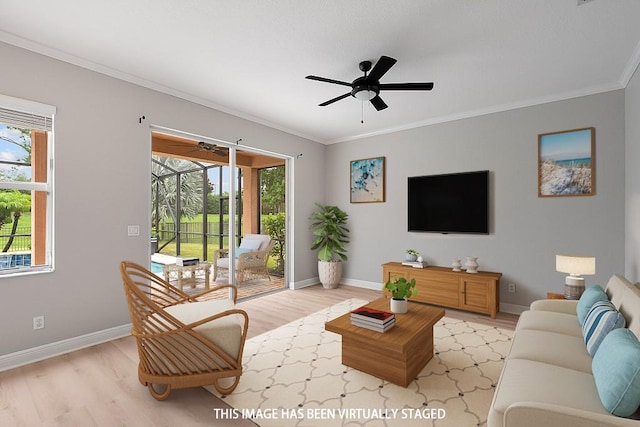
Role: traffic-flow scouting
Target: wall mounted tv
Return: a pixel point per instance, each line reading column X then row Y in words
column 449, row 203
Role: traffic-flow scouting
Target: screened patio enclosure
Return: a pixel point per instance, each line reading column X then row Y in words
column 190, row 196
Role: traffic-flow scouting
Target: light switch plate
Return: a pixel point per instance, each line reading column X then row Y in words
column 133, row 230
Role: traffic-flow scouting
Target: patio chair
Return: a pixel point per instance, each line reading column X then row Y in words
column 251, row 258
column 183, row 341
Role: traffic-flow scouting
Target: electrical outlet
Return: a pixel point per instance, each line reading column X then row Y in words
column 512, row 288
column 38, row 322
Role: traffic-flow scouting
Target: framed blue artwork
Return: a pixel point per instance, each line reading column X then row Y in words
column 367, row 180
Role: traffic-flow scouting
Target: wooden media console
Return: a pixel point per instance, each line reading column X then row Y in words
column 478, row 292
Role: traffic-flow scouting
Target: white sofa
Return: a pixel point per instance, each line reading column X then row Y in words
column 547, row 379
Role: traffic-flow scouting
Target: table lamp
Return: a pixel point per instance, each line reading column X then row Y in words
column 575, row 265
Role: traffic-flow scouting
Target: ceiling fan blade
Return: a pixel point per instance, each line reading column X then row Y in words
column 378, row 103
column 322, row 79
column 406, row 86
column 382, row 66
column 337, row 98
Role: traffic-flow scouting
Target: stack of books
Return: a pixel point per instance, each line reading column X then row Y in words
column 415, row 264
column 370, row 318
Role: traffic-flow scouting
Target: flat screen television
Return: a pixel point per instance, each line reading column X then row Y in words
column 449, row 203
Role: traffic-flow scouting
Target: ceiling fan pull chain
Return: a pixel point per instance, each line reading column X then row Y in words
column 362, row 112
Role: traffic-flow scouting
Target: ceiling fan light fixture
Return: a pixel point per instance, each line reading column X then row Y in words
column 365, row 95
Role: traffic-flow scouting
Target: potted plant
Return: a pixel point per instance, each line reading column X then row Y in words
column 328, row 224
column 401, row 289
column 412, row 255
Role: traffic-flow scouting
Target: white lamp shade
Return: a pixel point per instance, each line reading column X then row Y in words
column 576, row 264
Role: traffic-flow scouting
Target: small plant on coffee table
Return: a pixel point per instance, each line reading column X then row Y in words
column 401, row 288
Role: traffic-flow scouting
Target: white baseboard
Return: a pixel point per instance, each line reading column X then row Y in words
column 513, row 308
column 35, row 354
column 374, row 286
column 345, row 281
column 304, row 283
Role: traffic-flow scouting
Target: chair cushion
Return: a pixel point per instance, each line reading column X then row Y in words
column 225, row 332
column 264, row 240
column 590, row 296
column 616, row 370
column 224, row 263
column 601, row 319
column 250, row 244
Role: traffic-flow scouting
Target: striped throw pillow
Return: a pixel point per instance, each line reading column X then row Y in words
column 601, row 319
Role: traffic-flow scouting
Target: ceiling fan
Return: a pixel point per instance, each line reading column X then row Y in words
column 368, row 87
column 211, row 148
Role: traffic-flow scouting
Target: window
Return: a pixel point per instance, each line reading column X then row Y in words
column 26, row 186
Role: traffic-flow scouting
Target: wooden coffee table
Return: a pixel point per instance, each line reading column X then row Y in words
column 397, row 355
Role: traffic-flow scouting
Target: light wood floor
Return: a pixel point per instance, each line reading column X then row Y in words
column 98, row 386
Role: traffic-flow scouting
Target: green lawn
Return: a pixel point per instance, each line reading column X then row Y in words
column 19, row 243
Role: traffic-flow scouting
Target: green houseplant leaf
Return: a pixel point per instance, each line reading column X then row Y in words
column 328, row 224
column 401, row 288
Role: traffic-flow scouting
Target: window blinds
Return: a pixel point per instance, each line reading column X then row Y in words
column 23, row 120
column 25, row 114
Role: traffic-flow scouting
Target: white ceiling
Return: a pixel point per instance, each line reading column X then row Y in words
column 250, row 57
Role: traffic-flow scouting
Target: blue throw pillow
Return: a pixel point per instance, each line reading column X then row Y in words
column 601, row 319
column 616, row 370
column 590, row 296
column 242, row 251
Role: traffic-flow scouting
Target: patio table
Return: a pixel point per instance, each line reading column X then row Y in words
column 177, row 272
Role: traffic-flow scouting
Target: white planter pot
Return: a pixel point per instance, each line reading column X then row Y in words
column 330, row 273
column 398, row 305
column 410, row 257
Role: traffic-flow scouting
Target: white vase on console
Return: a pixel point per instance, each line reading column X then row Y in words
column 457, row 265
column 471, row 264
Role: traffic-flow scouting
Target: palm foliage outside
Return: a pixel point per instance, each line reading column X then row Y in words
column 174, row 178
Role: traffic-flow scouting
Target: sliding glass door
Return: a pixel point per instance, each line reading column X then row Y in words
column 207, row 195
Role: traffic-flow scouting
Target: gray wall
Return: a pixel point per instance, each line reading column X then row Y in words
column 526, row 231
column 632, row 182
column 102, row 184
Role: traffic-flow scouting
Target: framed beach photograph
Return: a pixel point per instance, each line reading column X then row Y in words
column 566, row 163
column 367, row 180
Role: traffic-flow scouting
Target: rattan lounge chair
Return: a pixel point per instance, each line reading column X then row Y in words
column 248, row 264
column 183, row 341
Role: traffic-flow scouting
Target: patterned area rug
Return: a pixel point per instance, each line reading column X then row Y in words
column 294, row 377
